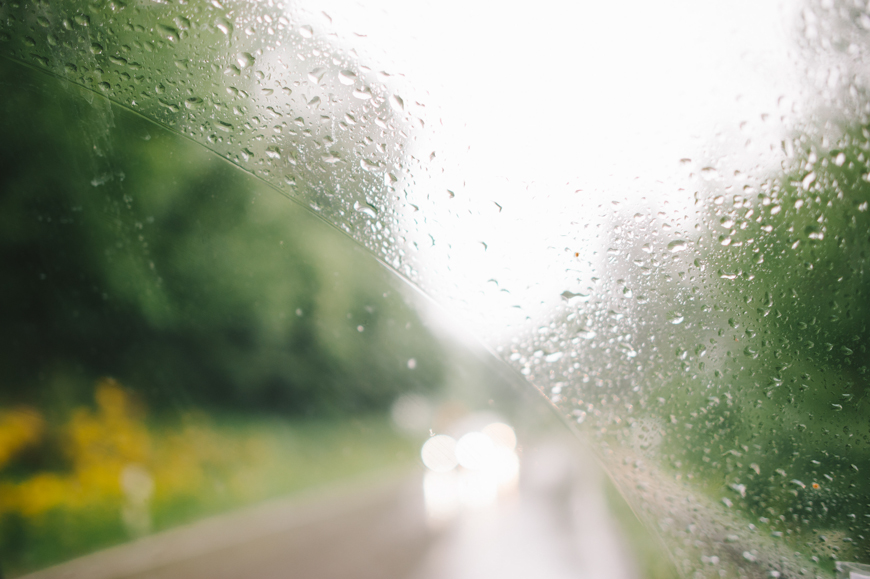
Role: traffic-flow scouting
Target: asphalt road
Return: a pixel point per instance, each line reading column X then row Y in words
column 555, row 527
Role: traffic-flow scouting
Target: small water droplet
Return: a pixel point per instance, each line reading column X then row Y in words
column 397, row 103
column 306, row 31
column 840, row 159
column 675, row 318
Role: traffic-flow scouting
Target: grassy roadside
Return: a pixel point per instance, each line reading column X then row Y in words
column 110, row 473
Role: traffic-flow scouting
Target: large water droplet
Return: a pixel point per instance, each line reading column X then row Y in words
column 316, row 75
column 347, row 77
column 554, row 357
column 365, row 209
column 677, row 246
column 273, row 152
column 709, row 173
column 675, row 318
column 224, row 26
column 245, row 59
column 364, row 93
column 571, row 296
column 168, row 32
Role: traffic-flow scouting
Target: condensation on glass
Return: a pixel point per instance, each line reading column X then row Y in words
column 657, row 214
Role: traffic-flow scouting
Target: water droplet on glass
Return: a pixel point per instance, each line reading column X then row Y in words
column 316, row 75
column 347, row 77
column 397, row 103
column 306, row 31
column 245, row 59
column 168, row 32
column 709, row 173
column 193, row 103
column 571, row 296
column 364, row 93
column 675, row 318
column 224, row 26
column 365, row 209
column 677, row 246
column 368, row 165
column 273, row 152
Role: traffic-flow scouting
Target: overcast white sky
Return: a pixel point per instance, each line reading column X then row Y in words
column 555, row 109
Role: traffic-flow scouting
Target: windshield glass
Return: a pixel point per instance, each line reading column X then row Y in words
column 655, row 214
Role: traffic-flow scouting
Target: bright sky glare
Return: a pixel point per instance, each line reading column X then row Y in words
column 548, row 112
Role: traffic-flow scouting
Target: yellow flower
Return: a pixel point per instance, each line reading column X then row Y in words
column 18, row 429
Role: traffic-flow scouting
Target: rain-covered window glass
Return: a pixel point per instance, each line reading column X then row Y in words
column 284, row 278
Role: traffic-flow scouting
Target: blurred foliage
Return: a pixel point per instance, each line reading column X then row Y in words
column 127, row 250
column 776, row 423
